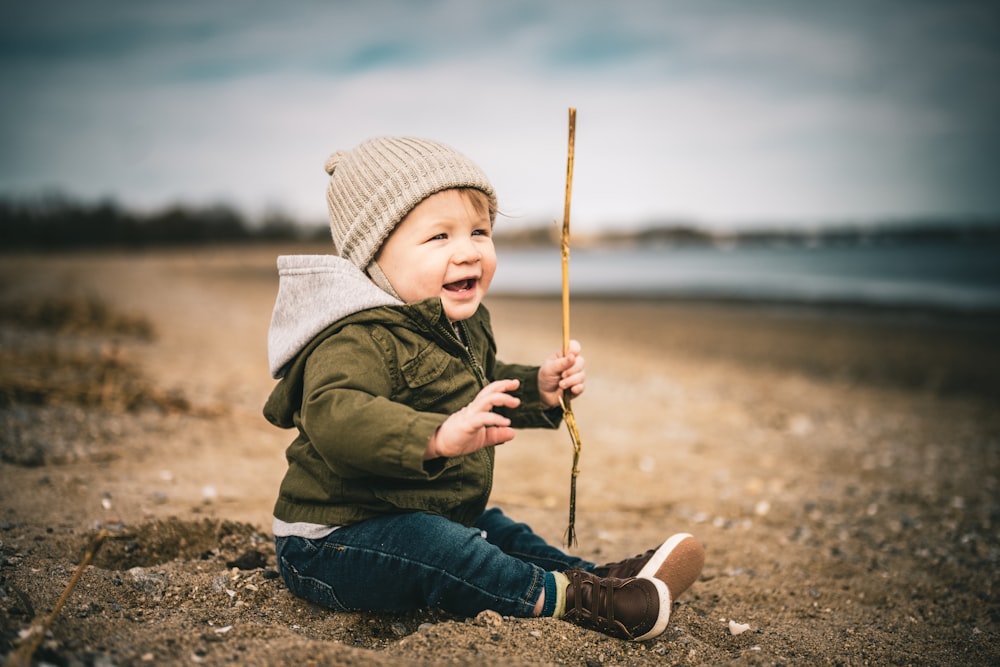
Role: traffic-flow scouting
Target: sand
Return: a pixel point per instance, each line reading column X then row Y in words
column 840, row 466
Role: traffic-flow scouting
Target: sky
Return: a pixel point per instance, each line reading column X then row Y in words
column 717, row 113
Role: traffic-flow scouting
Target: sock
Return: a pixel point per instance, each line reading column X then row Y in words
column 562, row 583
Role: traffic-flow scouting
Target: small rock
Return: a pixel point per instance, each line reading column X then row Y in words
column 220, row 583
column 489, row 618
column 151, row 584
column 737, row 628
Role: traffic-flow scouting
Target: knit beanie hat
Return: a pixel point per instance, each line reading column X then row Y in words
column 375, row 184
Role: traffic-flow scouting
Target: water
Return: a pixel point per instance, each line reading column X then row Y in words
column 956, row 274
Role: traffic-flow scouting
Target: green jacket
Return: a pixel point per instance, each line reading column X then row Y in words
column 366, row 394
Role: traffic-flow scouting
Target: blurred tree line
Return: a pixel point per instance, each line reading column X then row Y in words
column 56, row 222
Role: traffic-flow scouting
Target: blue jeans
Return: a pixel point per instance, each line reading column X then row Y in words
column 405, row 562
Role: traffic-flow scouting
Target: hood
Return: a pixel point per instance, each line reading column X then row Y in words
column 315, row 291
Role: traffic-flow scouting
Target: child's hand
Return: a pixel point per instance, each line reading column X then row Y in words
column 476, row 425
column 561, row 373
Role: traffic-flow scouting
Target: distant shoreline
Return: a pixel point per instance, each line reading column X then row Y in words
column 927, row 314
column 678, row 234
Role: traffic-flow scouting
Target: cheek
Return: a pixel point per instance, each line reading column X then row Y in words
column 489, row 266
column 416, row 282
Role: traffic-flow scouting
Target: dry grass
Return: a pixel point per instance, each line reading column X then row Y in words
column 67, row 350
column 75, row 314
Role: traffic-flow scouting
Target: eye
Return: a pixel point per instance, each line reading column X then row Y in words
column 481, row 232
column 438, row 237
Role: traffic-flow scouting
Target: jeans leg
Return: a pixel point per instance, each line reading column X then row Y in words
column 518, row 540
column 407, row 562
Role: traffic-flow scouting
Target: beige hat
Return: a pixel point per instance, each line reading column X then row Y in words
column 375, row 184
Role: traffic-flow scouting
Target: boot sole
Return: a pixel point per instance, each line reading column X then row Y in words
column 686, row 558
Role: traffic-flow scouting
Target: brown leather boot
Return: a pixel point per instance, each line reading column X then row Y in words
column 635, row 609
column 677, row 563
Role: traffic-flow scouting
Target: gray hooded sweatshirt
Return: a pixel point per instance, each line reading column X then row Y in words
column 314, row 291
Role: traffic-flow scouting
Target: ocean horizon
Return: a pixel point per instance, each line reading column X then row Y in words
column 961, row 274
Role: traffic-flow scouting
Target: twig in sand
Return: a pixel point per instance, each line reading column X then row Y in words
column 37, row 631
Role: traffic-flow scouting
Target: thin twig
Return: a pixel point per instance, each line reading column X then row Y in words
column 37, row 631
column 570, row 419
column 564, row 245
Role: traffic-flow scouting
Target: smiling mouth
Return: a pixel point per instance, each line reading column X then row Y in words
column 461, row 285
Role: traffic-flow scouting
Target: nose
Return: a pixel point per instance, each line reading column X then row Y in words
column 466, row 252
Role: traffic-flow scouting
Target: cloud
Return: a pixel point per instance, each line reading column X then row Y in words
column 719, row 112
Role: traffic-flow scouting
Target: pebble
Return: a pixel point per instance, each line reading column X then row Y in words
column 220, row 583
column 489, row 618
column 737, row 628
column 152, row 584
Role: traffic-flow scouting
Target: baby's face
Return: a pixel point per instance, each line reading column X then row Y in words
column 443, row 247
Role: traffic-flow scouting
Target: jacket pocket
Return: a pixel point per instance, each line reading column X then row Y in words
column 425, row 367
column 431, row 381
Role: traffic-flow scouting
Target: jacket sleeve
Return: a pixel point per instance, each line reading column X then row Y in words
column 349, row 417
column 530, row 414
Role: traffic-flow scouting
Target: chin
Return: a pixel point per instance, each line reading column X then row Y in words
column 462, row 312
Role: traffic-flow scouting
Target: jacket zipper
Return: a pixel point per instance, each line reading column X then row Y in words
column 470, row 355
column 463, row 337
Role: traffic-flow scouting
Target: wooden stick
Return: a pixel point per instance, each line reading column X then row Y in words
column 23, row 655
column 564, row 246
column 570, row 419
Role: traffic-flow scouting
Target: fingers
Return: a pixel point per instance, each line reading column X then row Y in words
column 495, row 395
column 572, row 360
column 573, row 376
column 476, row 425
column 574, row 383
column 498, row 436
column 488, row 419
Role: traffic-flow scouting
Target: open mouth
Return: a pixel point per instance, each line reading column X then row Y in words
column 461, row 285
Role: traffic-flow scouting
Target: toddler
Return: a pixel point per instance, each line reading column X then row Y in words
column 389, row 375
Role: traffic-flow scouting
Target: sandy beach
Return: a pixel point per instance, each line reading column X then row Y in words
column 840, row 466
